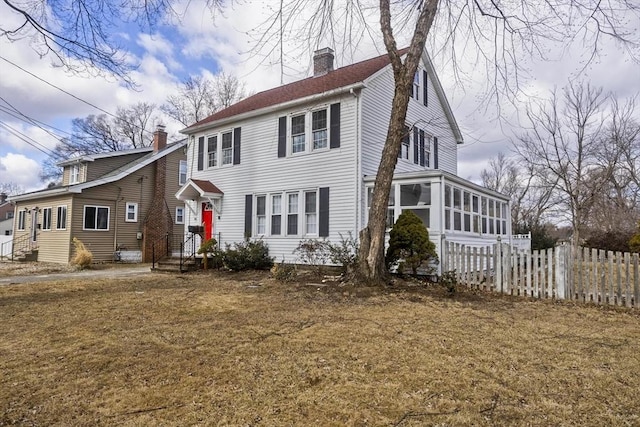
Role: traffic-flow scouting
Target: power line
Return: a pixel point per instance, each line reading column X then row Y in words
column 31, row 121
column 35, row 144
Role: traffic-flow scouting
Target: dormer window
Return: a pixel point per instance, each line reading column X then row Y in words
column 74, row 174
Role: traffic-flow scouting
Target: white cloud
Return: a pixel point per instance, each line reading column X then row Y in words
column 21, row 170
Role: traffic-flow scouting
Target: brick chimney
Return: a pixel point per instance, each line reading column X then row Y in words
column 322, row 61
column 159, row 138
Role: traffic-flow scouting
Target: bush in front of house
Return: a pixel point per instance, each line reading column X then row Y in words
column 247, row 255
column 634, row 242
column 409, row 244
column 344, row 253
column 314, row 253
column 83, row 257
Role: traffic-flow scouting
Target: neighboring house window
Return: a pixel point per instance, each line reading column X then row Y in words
column 74, row 174
column 131, row 212
column 46, row 219
column 96, row 218
column 61, row 218
column 227, row 148
column 276, row 214
column 179, row 215
column 261, row 215
column 292, row 213
column 182, row 174
column 9, row 215
column 21, row 219
column 311, row 212
column 298, row 131
column 319, row 129
column 212, row 149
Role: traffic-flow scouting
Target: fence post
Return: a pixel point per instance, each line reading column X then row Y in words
column 561, row 271
column 498, row 264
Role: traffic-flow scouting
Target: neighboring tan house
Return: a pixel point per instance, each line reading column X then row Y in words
column 6, row 216
column 118, row 204
column 299, row 161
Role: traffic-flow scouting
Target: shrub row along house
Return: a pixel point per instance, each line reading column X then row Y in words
column 295, row 162
column 299, row 161
column 117, row 203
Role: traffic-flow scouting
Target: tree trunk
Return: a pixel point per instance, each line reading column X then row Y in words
column 371, row 266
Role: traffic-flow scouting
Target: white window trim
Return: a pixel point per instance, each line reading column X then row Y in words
column 266, row 214
column 84, row 214
column 317, row 213
column 180, row 208
column 135, row 212
column 22, row 214
column 58, row 217
column 49, row 208
column 74, row 178
column 180, row 167
column 308, row 131
column 219, row 152
column 271, row 213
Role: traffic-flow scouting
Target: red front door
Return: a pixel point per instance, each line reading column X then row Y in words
column 207, row 220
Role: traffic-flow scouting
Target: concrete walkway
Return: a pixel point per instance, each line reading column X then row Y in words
column 108, row 272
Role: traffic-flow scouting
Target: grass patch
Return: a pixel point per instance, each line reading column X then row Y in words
column 241, row 349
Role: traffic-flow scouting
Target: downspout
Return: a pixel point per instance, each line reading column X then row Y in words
column 115, row 228
column 358, row 177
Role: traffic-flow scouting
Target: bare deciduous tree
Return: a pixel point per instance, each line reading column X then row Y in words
column 10, row 188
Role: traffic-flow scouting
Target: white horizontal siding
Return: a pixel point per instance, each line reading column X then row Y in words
column 377, row 99
column 261, row 172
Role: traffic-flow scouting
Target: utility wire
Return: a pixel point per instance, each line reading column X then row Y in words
column 30, row 141
column 30, row 121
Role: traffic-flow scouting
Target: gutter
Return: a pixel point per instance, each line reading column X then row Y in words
column 272, row 108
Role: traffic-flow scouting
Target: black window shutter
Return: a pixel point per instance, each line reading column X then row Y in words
column 282, row 137
column 416, row 150
column 422, row 160
column 425, row 88
column 248, row 213
column 236, row 146
column 200, row 153
column 334, row 136
column 323, row 223
column 435, row 153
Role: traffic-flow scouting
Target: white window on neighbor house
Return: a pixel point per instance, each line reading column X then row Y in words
column 74, row 174
column 61, row 218
column 182, row 174
column 131, row 212
column 22, row 215
column 96, row 218
column 179, row 215
column 261, row 215
column 276, row 214
column 227, row 148
column 46, row 219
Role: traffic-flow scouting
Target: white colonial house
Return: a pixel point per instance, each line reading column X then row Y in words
column 299, row 161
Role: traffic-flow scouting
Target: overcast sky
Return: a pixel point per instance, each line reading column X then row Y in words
column 195, row 46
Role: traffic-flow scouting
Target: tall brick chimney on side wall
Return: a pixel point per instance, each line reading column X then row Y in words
column 159, row 138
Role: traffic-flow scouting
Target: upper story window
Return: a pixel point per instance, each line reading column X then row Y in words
column 74, row 174
column 306, row 132
column 416, row 86
column 182, row 173
column 9, row 215
column 298, row 133
column 221, row 149
column 319, row 129
column 416, row 146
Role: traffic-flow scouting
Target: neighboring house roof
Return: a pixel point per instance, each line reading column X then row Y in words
column 112, row 176
column 336, row 81
column 93, row 157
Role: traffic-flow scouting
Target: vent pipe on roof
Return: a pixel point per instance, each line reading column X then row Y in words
column 159, row 138
column 322, row 61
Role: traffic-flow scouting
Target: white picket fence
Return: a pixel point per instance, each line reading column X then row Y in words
column 586, row 275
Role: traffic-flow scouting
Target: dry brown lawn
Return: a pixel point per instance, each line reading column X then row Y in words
column 243, row 350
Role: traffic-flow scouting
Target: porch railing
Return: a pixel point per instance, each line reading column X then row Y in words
column 20, row 245
column 184, row 246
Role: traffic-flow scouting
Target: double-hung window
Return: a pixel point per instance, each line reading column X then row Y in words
column 61, row 218
column 179, row 215
column 319, row 129
column 292, row 213
column 96, row 218
column 261, row 215
column 74, row 174
column 131, row 212
column 311, row 212
column 182, row 173
column 22, row 215
column 212, row 150
column 298, row 130
column 46, row 219
column 227, row 148
column 276, row 214
column 416, row 85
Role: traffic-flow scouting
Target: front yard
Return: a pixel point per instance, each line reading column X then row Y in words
column 234, row 349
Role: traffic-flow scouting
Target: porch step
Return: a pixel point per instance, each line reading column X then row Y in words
column 172, row 265
column 25, row 256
